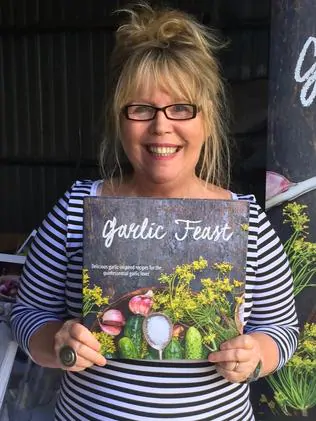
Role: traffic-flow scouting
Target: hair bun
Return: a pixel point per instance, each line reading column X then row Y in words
column 159, row 28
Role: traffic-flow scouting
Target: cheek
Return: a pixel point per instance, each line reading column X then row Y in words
column 132, row 132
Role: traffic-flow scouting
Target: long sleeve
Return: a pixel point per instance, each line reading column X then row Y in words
column 270, row 287
column 41, row 296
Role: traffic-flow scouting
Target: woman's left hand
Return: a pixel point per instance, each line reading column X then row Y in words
column 237, row 358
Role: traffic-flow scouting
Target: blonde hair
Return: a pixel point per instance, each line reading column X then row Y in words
column 167, row 48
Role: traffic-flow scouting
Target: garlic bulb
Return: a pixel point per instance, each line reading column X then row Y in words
column 141, row 304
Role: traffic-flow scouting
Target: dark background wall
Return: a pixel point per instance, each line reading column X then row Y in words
column 53, row 67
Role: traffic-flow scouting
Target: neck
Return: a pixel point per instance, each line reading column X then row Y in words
column 193, row 188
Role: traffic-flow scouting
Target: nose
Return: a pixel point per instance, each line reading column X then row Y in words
column 160, row 124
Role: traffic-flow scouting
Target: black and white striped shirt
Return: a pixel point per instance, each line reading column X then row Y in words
column 51, row 289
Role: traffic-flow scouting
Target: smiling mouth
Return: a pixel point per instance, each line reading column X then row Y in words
column 163, row 150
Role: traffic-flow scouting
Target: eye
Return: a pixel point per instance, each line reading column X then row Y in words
column 181, row 108
column 139, row 109
column 181, row 111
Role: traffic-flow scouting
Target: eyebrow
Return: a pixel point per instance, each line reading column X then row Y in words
column 146, row 102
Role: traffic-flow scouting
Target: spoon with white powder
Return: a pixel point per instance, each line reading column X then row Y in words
column 157, row 328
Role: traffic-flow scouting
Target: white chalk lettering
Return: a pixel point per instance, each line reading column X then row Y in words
column 145, row 230
column 308, row 92
column 202, row 233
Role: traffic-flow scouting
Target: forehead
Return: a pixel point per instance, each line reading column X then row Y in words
column 157, row 96
column 163, row 86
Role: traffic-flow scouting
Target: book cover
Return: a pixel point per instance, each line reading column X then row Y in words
column 163, row 279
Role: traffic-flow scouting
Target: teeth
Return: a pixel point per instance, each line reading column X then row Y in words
column 163, row 150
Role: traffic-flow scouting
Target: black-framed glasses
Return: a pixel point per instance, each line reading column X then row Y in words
column 143, row 112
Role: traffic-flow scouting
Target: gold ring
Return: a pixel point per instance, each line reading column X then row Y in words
column 236, row 366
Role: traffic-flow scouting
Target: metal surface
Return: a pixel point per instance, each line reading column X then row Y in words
column 53, row 68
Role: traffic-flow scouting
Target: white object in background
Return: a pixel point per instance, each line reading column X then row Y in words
column 24, row 248
column 8, row 348
column 279, row 189
column 12, row 258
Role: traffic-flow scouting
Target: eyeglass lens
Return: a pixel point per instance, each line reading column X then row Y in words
column 148, row 112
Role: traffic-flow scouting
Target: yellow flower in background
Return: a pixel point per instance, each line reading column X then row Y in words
column 294, row 214
column 294, row 384
column 310, row 329
column 301, row 253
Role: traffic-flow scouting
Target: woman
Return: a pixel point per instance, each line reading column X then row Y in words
column 165, row 119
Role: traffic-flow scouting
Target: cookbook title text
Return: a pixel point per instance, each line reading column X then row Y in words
column 150, row 230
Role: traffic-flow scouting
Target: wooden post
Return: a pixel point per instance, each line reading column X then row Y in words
column 291, row 148
column 292, row 84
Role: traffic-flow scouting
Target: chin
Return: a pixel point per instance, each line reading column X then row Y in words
column 161, row 179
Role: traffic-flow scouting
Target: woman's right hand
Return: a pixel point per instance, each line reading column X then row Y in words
column 86, row 346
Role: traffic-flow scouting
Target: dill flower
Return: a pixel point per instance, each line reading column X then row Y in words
column 199, row 264
column 237, row 283
column 244, row 227
column 209, row 339
column 223, row 267
column 178, row 298
column 144, row 349
column 301, row 253
column 85, row 277
column 91, row 297
column 299, row 370
column 239, row 300
column 106, row 341
column 294, row 214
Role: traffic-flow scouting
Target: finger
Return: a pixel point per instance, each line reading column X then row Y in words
column 241, row 341
column 232, row 376
column 74, row 330
column 84, row 357
column 231, row 366
column 88, row 354
column 231, row 355
column 83, row 362
column 82, row 334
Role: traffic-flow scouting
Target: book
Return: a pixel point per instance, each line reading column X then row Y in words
column 163, row 279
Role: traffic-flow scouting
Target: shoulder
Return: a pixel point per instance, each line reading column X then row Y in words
column 212, row 191
column 72, row 201
column 248, row 197
column 82, row 187
column 258, row 219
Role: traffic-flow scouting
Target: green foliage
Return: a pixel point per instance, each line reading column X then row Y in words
column 294, row 385
column 91, row 297
column 301, row 253
column 210, row 309
column 106, row 341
